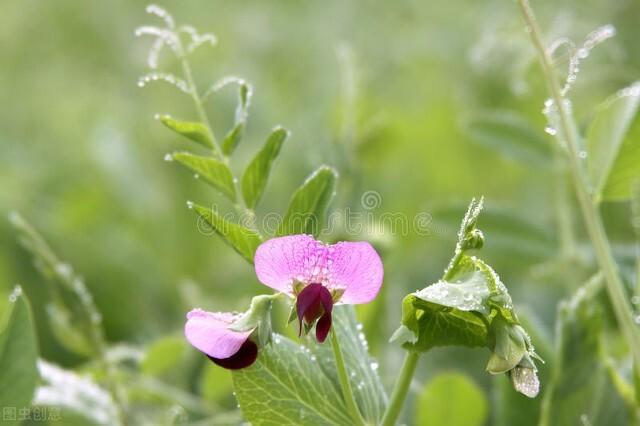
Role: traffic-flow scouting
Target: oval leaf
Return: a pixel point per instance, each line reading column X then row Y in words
column 213, row 171
column 286, row 386
column 606, row 134
column 243, row 240
column 365, row 382
column 256, row 175
column 309, row 203
column 451, row 399
column 18, row 354
column 163, row 354
column 195, row 131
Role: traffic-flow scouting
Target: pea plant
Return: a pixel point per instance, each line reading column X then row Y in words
column 314, row 366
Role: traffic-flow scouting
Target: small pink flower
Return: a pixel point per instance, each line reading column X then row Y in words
column 319, row 275
column 210, row 333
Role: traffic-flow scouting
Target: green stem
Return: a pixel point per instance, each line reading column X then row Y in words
column 400, row 389
column 590, row 212
column 347, row 392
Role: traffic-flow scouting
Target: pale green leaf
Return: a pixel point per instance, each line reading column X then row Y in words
column 215, row 382
column 606, row 134
column 625, row 173
column 365, row 382
column 163, row 354
column 580, row 386
column 309, row 203
column 243, row 240
column 286, row 386
column 195, row 131
column 511, row 135
column 213, row 171
column 451, row 399
column 18, row 354
column 257, row 173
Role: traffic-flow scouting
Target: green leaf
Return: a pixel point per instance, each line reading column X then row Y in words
column 293, row 384
column 163, row 354
column 18, row 354
column 511, row 135
column 197, row 132
column 234, row 136
column 432, row 325
column 365, row 382
column 607, row 132
column 625, row 173
column 451, row 399
column 309, row 203
column 243, row 240
column 286, row 386
column 580, row 386
column 215, row 382
column 213, row 171
column 255, row 176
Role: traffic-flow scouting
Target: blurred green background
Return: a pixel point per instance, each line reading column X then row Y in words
column 82, row 157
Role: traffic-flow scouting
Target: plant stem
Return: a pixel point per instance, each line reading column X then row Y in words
column 400, row 389
column 347, row 392
column 590, row 212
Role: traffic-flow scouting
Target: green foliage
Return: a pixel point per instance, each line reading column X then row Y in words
column 243, row 240
column 309, row 203
column 625, row 172
column 451, row 399
column 18, row 354
column 293, row 384
column 163, row 354
column 256, row 175
column 197, row 132
column 579, row 385
column 214, row 172
column 511, row 135
column 470, row 307
column 605, row 138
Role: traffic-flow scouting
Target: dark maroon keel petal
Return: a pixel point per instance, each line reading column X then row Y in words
column 246, row 355
column 315, row 303
column 323, row 326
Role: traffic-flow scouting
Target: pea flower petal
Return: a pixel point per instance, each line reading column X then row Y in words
column 352, row 267
column 209, row 332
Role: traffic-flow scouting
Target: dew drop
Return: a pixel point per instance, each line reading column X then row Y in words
column 17, row 292
column 635, row 300
column 374, row 366
column 168, row 157
column 190, row 204
column 637, row 319
column 196, row 176
column 550, row 130
column 582, row 154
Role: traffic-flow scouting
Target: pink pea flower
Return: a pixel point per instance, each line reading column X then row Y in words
column 211, row 333
column 318, row 275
